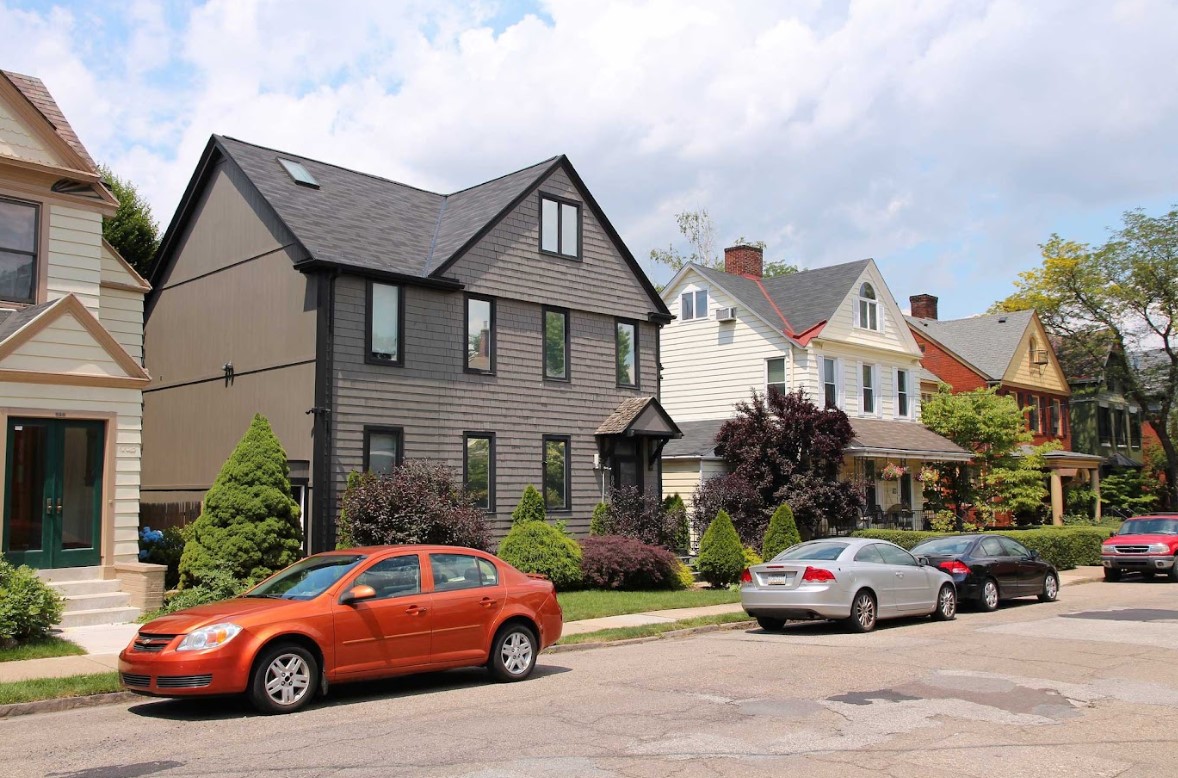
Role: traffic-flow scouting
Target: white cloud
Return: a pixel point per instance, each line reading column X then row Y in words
column 944, row 139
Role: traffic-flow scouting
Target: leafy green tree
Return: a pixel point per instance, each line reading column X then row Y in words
column 1126, row 492
column 249, row 527
column 992, row 428
column 530, row 507
column 599, row 523
column 132, row 230
column 721, row 556
column 1127, row 288
column 697, row 228
column 782, row 532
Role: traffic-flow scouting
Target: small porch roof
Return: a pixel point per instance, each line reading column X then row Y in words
column 908, row 439
column 641, row 417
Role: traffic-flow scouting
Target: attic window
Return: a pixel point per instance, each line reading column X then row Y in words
column 299, row 173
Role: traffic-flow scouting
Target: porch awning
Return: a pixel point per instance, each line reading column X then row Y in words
column 1060, row 459
column 1120, row 460
column 641, row 417
column 908, row 439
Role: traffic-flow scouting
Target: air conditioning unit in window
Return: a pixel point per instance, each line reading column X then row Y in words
column 725, row 314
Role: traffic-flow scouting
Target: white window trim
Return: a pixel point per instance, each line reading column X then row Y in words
column 860, row 299
column 693, row 291
column 785, row 373
column 874, row 412
column 896, row 392
column 839, row 400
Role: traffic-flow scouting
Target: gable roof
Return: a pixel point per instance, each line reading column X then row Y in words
column 33, row 90
column 986, row 343
column 364, row 222
column 642, row 416
column 795, row 303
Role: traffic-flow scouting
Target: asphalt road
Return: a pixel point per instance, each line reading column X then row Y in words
column 1085, row 686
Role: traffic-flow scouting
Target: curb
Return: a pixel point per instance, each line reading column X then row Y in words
column 1090, row 579
column 64, row 703
column 677, row 633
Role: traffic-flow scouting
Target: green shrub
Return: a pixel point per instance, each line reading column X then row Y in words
column 676, row 512
column 721, row 556
column 626, row 564
column 539, row 547
column 531, row 507
column 343, row 523
column 164, row 547
column 250, row 525
column 220, row 585
column 782, row 532
column 1063, row 547
column 685, row 579
column 28, row 605
column 751, row 557
column 599, row 524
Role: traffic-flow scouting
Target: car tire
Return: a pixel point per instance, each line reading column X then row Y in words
column 1050, row 591
column 284, row 679
column 513, row 653
column 864, row 612
column 1112, row 574
column 770, row 625
column 988, row 596
column 1147, row 575
column 946, row 607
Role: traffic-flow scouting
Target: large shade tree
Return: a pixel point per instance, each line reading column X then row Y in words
column 132, row 230
column 1124, row 292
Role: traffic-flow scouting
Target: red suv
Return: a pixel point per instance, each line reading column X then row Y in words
column 1142, row 544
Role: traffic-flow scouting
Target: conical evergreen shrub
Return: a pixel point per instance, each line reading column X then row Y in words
column 721, row 556
column 539, row 547
column 599, row 523
column 531, row 507
column 249, row 527
column 676, row 513
column 781, row 533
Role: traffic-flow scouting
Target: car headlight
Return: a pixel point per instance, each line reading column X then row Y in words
column 1159, row 548
column 1108, row 548
column 213, row 636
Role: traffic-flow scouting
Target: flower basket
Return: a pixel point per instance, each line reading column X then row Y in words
column 928, row 475
column 892, row 472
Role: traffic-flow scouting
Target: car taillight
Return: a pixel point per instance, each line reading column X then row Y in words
column 746, row 576
column 954, row 567
column 817, row 575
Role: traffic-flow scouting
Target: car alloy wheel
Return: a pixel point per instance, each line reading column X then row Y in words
column 863, row 615
column 989, row 598
column 287, row 679
column 284, row 679
column 513, row 654
column 1050, row 588
column 517, row 652
column 946, row 604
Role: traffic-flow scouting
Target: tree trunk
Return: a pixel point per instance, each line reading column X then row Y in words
column 1171, row 491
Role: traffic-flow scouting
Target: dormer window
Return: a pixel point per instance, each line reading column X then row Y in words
column 560, row 227
column 868, row 308
column 693, row 305
column 18, row 251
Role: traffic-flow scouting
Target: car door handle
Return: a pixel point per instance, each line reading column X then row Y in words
column 899, row 575
column 486, row 602
column 413, row 610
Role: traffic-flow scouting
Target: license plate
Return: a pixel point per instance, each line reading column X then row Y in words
column 777, row 579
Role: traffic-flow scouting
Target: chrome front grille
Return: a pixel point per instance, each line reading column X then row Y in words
column 1132, row 549
column 130, row 679
column 183, row 681
column 152, row 643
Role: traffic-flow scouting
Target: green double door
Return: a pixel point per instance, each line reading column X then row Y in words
column 53, row 492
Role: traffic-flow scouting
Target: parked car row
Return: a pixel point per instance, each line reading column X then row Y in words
column 1143, row 544
column 861, row 581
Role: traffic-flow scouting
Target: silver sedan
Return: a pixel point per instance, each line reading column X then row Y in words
column 853, row 579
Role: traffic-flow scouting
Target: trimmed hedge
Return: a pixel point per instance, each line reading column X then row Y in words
column 539, row 547
column 626, row 564
column 1064, row 547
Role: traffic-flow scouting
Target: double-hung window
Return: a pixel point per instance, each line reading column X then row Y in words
column 18, row 251
column 775, row 375
column 383, row 449
column 1135, row 429
column 478, row 468
column 868, row 308
column 1104, row 429
column 626, row 353
column 1033, row 416
column 385, row 318
column 480, row 334
column 556, row 472
column 828, row 377
column 868, row 388
column 903, row 409
column 560, row 227
column 556, row 344
column 693, row 305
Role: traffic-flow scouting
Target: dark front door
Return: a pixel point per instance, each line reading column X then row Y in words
column 627, row 464
column 53, row 492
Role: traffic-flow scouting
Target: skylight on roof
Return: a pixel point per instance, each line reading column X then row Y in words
column 299, row 173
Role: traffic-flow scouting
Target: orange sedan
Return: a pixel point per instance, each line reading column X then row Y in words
column 348, row 616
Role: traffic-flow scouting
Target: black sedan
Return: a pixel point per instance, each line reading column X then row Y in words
column 989, row 568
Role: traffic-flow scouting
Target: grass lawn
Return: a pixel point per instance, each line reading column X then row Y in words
column 55, row 688
column 648, row 630
column 594, row 603
column 40, row 649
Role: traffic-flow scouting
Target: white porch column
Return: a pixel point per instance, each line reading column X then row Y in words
column 1056, row 498
column 1096, row 488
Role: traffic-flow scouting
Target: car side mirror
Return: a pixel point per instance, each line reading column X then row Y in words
column 356, row 594
column 922, row 561
column 1034, row 554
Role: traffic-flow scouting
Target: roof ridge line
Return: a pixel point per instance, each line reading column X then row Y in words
column 505, row 175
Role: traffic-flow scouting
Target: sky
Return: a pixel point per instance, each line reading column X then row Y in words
column 946, row 140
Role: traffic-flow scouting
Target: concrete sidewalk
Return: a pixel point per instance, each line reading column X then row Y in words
column 104, row 643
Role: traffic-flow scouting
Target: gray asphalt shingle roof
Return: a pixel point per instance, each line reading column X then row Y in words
column 901, row 436
column 699, row 439
column 12, row 321
column 986, row 342
column 372, row 223
column 805, row 298
column 36, row 93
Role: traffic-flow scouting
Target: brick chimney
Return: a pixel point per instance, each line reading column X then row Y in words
column 744, row 260
column 924, row 306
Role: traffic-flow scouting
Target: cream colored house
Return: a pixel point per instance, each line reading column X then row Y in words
column 834, row 332
column 71, row 363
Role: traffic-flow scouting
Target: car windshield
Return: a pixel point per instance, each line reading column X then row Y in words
column 943, row 547
column 813, row 550
column 1149, row 527
column 308, row 578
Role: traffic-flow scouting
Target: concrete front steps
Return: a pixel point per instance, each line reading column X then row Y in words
column 90, row 599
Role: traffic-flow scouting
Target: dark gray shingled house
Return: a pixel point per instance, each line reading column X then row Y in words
column 505, row 330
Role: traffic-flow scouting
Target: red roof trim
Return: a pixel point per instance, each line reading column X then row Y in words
column 805, row 337
column 788, row 329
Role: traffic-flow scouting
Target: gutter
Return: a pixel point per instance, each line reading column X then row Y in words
column 318, row 265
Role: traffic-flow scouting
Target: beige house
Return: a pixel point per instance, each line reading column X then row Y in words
column 834, row 332
column 71, row 374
